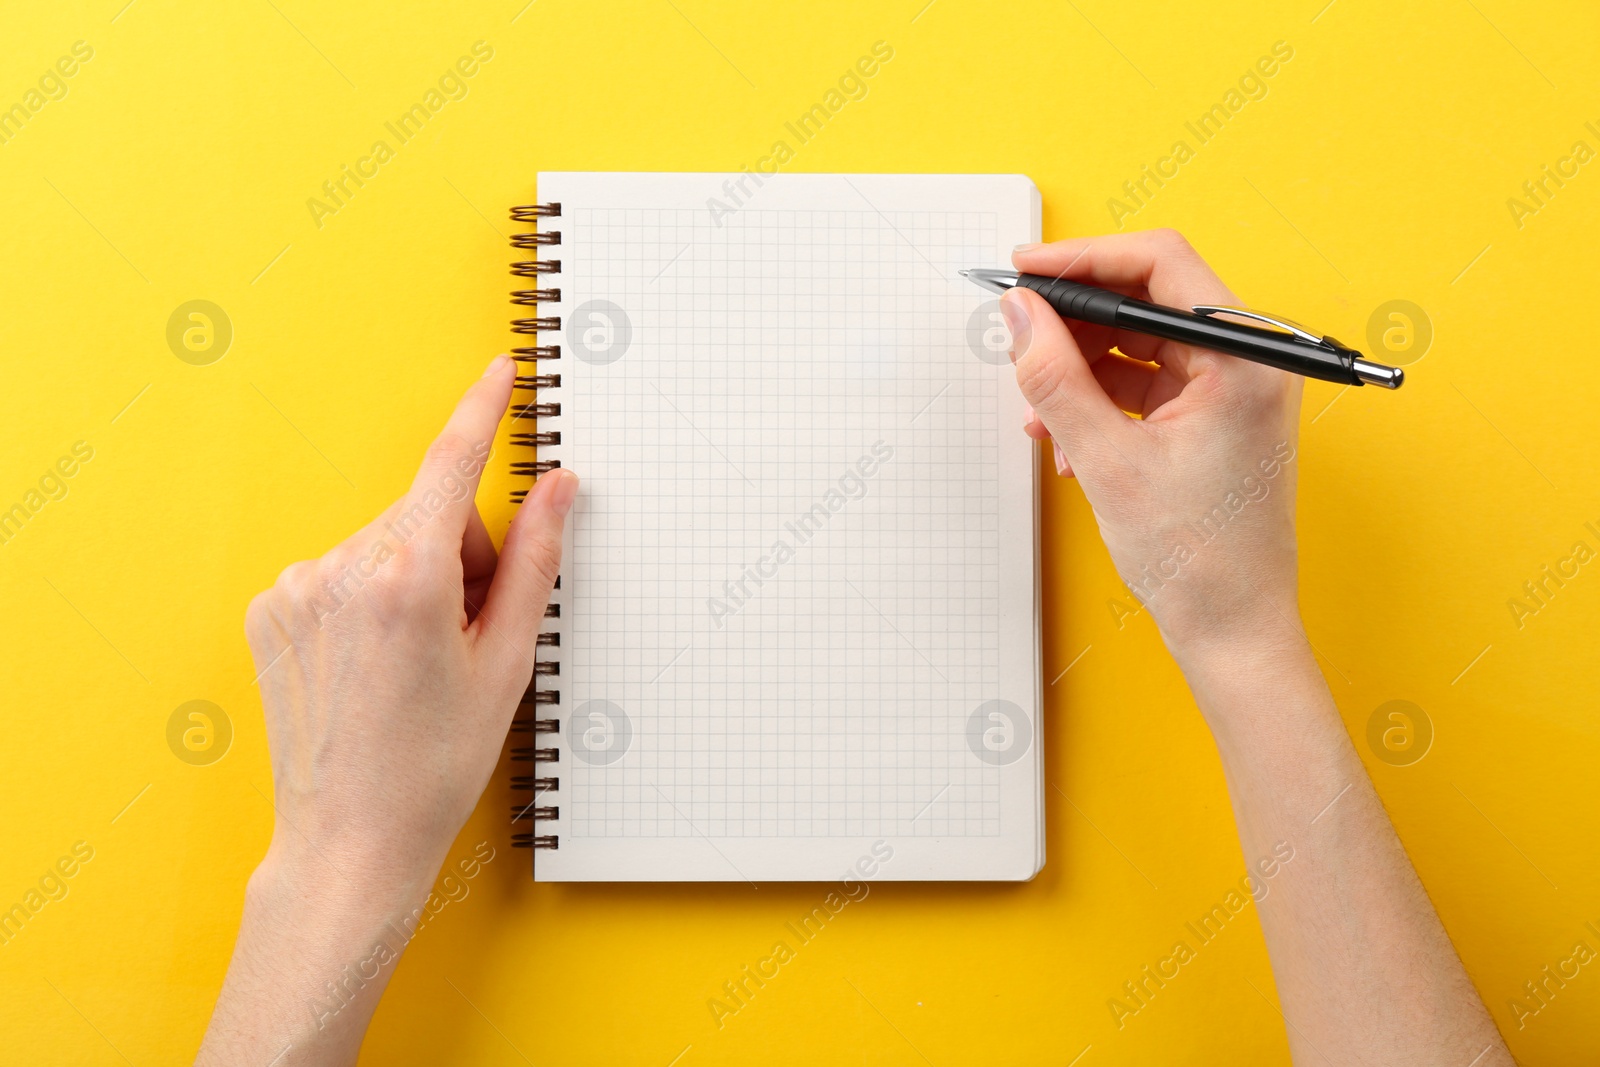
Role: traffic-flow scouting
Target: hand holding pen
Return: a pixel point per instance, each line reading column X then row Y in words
column 1213, row 433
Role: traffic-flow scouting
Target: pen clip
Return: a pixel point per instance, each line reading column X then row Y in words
column 1245, row 313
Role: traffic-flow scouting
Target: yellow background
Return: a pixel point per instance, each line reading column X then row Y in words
column 1378, row 167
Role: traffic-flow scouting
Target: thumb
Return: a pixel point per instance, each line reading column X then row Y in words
column 530, row 559
column 1058, row 382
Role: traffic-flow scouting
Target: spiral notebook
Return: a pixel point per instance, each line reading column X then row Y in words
column 796, row 635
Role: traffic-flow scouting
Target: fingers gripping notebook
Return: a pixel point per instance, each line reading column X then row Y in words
column 797, row 623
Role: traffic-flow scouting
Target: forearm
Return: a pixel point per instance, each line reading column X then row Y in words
column 1364, row 969
column 316, row 949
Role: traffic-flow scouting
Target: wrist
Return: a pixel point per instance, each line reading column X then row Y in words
column 385, row 872
column 1255, row 682
column 334, row 935
column 1221, row 656
column 318, row 942
column 1235, row 632
column 341, row 891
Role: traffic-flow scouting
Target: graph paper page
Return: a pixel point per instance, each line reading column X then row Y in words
column 798, row 611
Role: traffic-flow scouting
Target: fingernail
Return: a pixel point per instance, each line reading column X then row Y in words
column 1026, row 247
column 1016, row 322
column 563, row 492
column 1027, row 420
column 1061, row 459
column 495, row 364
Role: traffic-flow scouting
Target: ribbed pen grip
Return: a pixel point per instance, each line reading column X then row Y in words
column 1073, row 301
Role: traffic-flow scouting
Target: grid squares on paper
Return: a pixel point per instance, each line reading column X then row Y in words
column 786, row 558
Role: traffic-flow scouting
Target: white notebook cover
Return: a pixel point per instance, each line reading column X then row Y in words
column 799, row 618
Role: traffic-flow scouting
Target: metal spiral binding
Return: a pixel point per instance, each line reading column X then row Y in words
column 538, row 408
column 535, row 841
column 536, row 439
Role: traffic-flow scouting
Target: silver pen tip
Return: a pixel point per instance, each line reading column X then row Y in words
column 996, row 281
column 1378, row 374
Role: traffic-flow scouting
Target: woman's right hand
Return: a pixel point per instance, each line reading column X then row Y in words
column 1195, row 498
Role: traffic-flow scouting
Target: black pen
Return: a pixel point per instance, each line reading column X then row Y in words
column 1285, row 345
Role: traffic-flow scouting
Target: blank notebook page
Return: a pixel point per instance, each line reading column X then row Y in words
column 798, row 609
